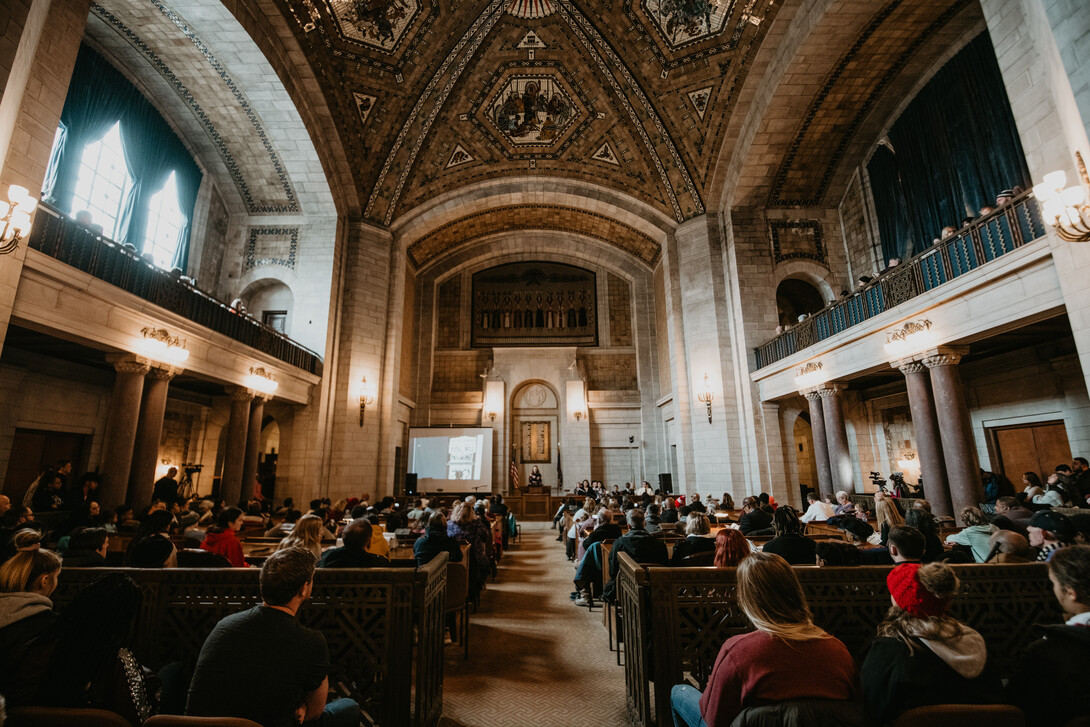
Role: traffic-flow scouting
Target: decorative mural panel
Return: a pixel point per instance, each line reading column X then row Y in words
column 532, row 110
column 796, row 240
column 687, row 21
column 536, row 443
column 377, row 23
column 534, row 304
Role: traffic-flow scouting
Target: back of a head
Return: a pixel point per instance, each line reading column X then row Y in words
column 654, row 510
column 1070, row 567
column 87, row 539
column 887, row 512
column 750, row 503
column 636, row 519
column 316, row 504
column 764, row 498
column 785, row 521
column 697, row 524
column 811, row 496
column 19, row 572
column 357, row 534
column 284, row 574
column 358, row 511
column 437, row 521
column 909, row 541
column 156, row 522
column 836, row 553
column 227, row 516
column 1011, row 543
column 922, row 520
column 730, row 547
column 973, row 516
column 605, row 516
column 771, row 597
column 1007, row 501
column 683, row 511
column 292, row 516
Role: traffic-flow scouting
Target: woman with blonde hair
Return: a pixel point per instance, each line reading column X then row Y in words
column 921, row 656
column 307, row 534
column 730, row 547
column 696, row 539
column 774, row 663
column 887, row 515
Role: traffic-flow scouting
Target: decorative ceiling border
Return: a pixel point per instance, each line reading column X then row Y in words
column 292, row 204
column 251, row 247
column 774, row 199
column 775, row 227
column 473, row 37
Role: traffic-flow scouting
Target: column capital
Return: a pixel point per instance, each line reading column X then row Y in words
column 240, row 393
column 909, row 366
column 830, row 388
column 127, row 363
column 811, row 394
column 163, row 372
column 943, row 356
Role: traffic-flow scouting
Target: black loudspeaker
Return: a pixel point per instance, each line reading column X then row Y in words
column 410, row 483
column 666, row 483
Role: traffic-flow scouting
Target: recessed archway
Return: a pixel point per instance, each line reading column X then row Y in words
column 795, row 298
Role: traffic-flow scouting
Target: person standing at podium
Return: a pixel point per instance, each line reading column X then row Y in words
column 535, row 478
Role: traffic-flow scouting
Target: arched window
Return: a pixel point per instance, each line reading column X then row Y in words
column 103, row 182
column 165, row 222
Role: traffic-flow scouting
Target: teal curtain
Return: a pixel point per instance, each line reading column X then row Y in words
column 954, row 149
column 189, row 183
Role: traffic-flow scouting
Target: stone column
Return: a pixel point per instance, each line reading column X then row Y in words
column 955, row 427
column 234, row 458
column 928, row 441
column 821, row 443
column 840, row 458
column 253, row 445
column 120, row 435
column 148, row 433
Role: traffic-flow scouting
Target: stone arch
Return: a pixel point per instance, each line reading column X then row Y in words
column 268, row 295
column 816, row 275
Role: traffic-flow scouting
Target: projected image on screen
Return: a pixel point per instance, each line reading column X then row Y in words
column 451, row 459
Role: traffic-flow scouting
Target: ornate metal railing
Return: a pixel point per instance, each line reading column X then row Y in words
column 383, row 626
column 996, row 234
column 73, row 244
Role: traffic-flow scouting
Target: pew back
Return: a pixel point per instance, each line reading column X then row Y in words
column 366, row 615
column 694, row 610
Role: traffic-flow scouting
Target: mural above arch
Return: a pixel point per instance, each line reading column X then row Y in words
column 534, row 303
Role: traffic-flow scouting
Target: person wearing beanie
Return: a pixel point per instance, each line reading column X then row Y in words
column 921, row 656
column 1062, row 655
column 1048, row 532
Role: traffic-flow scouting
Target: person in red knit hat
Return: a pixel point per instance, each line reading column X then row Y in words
column 922, row 656
column 786, row 658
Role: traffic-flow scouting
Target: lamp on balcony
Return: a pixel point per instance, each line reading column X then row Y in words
column 810, row 375
column 158, row 344
column 366, row 397
column 15, row 218
column 707, row 396
column 1066, row 209
column 261, row 380
column 912, row 337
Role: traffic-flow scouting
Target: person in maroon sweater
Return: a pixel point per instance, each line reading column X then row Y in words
column 786, row 658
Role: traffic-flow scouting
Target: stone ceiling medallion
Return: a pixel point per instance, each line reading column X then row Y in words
column 681, row 22
column 532, row 107
column 531, row 8
column 380, row 24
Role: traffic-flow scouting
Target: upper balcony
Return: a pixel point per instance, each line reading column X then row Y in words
column 65, row 240
column 1008, row 228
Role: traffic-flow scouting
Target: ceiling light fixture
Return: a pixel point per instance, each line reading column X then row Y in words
column 1066, row 209
column 15, row 218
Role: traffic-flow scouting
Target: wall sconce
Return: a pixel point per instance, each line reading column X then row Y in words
column 908, row 463
column 261, row 380
column 158, row 344
column 491, row 416
column 366, row 397
column 707, row 396
column 910, row 338
column 1066, row 209
column 810, row 375
column 577, row 399
column 493, row 399
column 15, row 218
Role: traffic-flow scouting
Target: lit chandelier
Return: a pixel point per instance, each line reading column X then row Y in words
column 1066, row 209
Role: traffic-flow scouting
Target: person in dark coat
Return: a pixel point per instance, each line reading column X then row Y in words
column 639, row 544
column 1049, row 683
column 436, row 541
column 353, row 554
column 753, row 519
column 697, row 529
column 789, row 543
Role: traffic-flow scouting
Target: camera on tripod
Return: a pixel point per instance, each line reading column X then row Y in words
column 189, row 469
column 878, row 481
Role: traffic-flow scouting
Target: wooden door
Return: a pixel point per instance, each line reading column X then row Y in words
column 1031, row 448
column 33, row 451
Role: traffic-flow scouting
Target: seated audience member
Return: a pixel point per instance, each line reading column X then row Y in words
column 730, row 548
column 906, row 544
column 606, row 530
column 353, row 554
column 1010, row 515
column 417, row 512
column 829, row 553
column 49, row 497
column 1062, row 655
column 754, row 520
column 221, row 538
column 307, row 535
column 774, row 663
column 669, row 511
column 262, row 665
column 921, row 656
column 696, row 539
column 817, row 511
column 696, row 505
column 126, row 522
column 844, row 507
column 789, row 543
column 26, row 582
column 976, row 534
column 1056, row 492
column 924, row 521
column 80, row 662
column 653, row 517
column 861, row 535
column 1008, row 546
column 87, row 548
column 436, row 541
column 152, row 547
column 1048, row 532
column 279, row 531
column 640, row 545
column 887, row 515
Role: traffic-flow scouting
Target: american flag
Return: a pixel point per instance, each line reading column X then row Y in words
column 514, row 475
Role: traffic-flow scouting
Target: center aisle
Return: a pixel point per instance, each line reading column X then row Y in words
column 536, row 659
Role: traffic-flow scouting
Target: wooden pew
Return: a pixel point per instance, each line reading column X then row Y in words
column 695, row 610
column 393, row 667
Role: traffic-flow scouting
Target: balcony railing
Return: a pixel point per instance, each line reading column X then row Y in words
column 73, row 244
column 1000, row 232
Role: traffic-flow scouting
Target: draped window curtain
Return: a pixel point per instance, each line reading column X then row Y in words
column 953, row 150
column 98, row 97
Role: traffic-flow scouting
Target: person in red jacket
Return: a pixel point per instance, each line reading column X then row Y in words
column 221, row 537
column 786, row 658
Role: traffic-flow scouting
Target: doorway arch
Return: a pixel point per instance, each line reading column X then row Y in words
column 795, row 297
column 535, row 410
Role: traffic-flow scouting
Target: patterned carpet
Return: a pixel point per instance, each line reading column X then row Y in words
column 536, row 660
